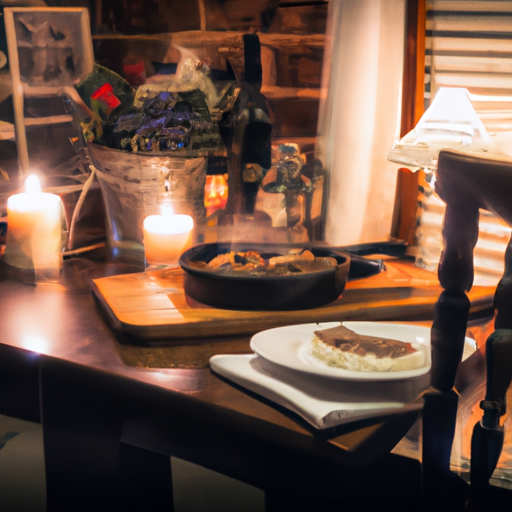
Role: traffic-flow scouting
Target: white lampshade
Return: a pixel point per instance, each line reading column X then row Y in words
column 450, row 122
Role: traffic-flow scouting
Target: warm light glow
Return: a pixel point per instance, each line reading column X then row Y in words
column 215, row 193
column 34, row 237
column 166, row 237
column 166, row 209
column 32, row 185
column 168, row 224
column 35, row 343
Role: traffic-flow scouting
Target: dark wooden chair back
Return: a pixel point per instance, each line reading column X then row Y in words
column 466, row 183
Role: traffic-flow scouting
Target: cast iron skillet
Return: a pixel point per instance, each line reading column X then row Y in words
column 271, row 292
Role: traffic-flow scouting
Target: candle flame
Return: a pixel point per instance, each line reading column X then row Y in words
column 166, row 209
column 32, row 185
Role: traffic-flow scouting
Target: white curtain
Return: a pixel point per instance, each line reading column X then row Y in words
column 359, row 117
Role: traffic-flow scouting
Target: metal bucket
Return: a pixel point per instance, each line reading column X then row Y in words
column 132, row 185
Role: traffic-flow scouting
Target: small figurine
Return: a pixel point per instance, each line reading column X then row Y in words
column 290, row 181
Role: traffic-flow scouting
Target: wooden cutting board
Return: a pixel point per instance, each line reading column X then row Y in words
column 151, row 306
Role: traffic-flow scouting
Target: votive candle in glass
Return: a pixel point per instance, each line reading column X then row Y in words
column 166, row 237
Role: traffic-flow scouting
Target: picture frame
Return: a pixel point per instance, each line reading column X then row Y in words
column 48, row 47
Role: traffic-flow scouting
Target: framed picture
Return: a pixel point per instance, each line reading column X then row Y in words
column 50, row 49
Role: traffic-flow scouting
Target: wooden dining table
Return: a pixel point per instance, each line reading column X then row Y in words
column 113, row 361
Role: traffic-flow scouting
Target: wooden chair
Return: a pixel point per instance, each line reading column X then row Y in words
column 467, row 183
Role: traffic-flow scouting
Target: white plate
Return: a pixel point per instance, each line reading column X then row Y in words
column 290, row 346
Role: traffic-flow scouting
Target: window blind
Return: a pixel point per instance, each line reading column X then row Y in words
column 469, row 44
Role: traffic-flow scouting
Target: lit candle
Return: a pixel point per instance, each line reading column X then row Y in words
column 166, row 236
column 34, row 230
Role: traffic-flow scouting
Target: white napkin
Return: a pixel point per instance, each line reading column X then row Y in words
column 323, row 402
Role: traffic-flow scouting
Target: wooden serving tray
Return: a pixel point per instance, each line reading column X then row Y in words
column 151, row 306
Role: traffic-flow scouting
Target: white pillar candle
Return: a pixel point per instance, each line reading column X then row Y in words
column 34, row 230
column 166, row 237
